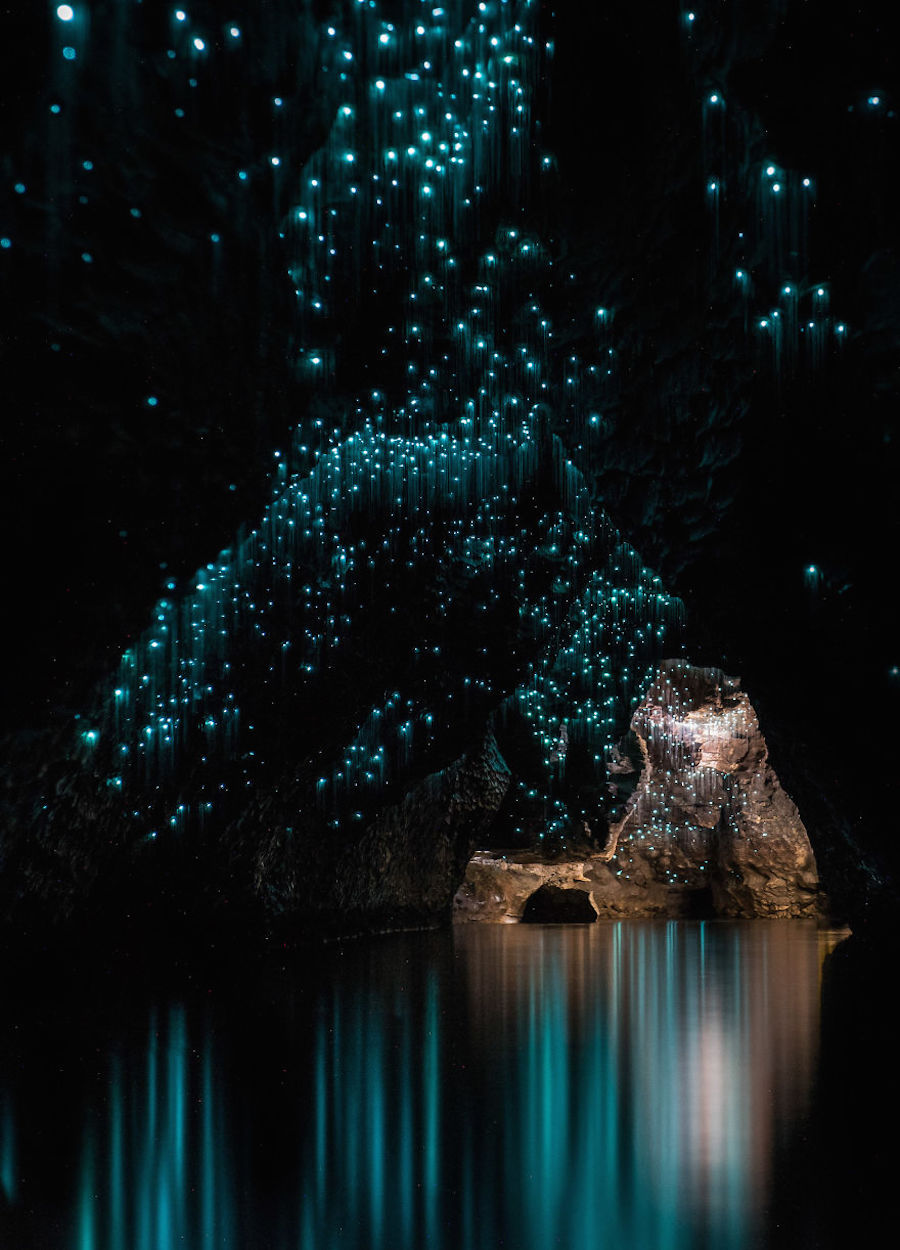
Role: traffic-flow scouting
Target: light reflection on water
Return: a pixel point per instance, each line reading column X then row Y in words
column 530, row 1087
column 155, row 1170
column 640, row 1076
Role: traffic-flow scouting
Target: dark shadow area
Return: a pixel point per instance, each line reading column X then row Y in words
column 552, row 904
column 838, row 1172
column 697, row 905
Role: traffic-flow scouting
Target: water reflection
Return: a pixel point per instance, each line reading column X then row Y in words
column 155, row 1170
column 7, row 1150
column 638, row 1076
column 532, row 1087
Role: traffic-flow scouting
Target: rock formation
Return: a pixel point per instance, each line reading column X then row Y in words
column 706, row 831
column 402, row 870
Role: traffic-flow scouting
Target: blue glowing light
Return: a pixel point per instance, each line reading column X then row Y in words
column 199, row 44
column 234, row 32
column 5, row 242
column 19, row 188
column 180, row 15
column 812, row 576
column 874, row 101
column 415, row 208
column 69, row 54
column 152, row 401
column 65, row 12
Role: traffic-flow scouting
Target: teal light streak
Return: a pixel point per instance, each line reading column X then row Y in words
column 175, row 1161
column 378, row 1153
column 87, row 1226
column 8, row 1148
column 118, row 1232
column 209, row 1236
column 432, row 1110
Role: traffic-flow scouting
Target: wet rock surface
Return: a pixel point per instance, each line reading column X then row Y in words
column 706, row 831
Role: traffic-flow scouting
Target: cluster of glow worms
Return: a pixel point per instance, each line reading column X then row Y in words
column 772, row 248
column 435, row 115
column 440, row 118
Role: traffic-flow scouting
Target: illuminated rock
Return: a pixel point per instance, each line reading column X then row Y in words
column 498, row 887
column 708, row 808
column 707, row 831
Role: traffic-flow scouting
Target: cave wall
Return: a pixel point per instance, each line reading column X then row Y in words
column 156, row 356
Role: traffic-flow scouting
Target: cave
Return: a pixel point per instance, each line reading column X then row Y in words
column 699, row 904
column 449, row 467
column 551, row 904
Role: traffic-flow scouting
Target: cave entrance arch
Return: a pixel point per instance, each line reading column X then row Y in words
column 554, row 904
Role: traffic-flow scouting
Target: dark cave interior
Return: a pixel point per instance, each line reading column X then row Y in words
column 150, row 339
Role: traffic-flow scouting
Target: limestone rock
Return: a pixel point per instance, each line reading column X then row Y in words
column 708, row 830
column 497, row 886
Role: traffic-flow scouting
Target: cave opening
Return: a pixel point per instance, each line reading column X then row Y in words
column 553, row 904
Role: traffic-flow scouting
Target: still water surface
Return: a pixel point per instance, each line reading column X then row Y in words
column 623, row 1085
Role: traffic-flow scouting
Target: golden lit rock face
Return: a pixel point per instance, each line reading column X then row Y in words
column 707, row 831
